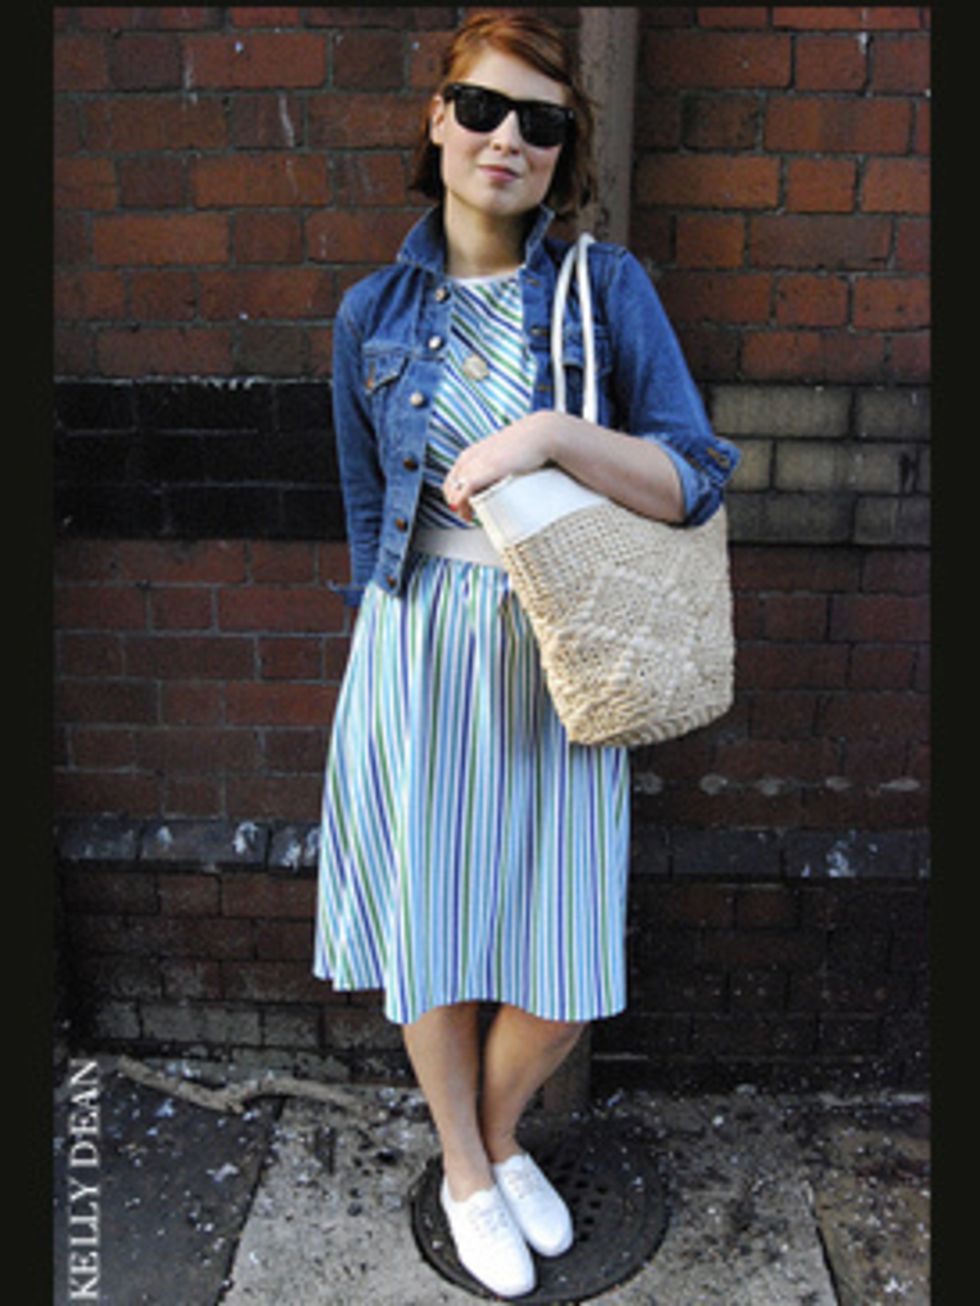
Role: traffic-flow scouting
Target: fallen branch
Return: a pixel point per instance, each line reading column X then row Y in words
column 233, row 1097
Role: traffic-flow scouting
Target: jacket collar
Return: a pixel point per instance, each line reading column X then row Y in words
column 425, row 245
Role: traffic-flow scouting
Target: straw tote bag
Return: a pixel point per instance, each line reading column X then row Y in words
column 633, row 617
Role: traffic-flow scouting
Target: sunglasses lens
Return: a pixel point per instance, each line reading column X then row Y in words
column 543, row 126
column 481, row 110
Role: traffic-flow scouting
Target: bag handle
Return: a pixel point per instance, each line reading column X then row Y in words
column 576, row 259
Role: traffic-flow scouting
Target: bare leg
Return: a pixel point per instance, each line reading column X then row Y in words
column 444, row 1050
column 521, row 1052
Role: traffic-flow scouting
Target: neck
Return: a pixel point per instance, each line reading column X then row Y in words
column 480, row 245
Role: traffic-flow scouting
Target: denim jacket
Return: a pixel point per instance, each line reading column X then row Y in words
column 390, row 338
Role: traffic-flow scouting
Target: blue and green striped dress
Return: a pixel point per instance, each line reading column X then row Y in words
column 467, row 849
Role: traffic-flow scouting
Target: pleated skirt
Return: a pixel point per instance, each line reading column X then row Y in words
column 468, row 850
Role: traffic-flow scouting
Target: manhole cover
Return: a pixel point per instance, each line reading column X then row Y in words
column 606, row 1173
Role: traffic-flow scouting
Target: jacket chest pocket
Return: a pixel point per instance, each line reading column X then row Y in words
column 382, row 382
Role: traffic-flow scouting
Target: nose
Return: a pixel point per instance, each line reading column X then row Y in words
column 507, row 134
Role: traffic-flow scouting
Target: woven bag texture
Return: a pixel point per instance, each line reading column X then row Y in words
column 634, row 622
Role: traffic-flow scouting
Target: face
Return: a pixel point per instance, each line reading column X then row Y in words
column 495, row 173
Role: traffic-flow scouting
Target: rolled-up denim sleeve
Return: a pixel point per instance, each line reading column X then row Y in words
column 656, row 396
column 361, row 479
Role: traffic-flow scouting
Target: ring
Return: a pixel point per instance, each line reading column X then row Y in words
column 459, row 483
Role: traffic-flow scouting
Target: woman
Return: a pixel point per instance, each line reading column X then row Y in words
column 469, row 852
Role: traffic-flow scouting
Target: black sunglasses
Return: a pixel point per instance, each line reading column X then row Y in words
column 479, row 109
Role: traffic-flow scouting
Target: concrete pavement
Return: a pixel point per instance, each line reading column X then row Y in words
column 774, row 1199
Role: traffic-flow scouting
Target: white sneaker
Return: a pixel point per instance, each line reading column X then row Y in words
column 541, row 1215
column 488, row 1241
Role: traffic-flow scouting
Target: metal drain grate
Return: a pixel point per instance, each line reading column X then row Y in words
column 606, row 1173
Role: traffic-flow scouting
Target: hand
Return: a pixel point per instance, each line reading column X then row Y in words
column 521, row 446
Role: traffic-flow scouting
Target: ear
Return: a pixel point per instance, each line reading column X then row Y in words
column 437, row 120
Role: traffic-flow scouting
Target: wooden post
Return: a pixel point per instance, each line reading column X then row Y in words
column 607, row 57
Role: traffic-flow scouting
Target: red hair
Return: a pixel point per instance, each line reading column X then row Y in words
column 537, row 43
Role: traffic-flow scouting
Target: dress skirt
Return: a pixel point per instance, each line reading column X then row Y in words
column 468, row 850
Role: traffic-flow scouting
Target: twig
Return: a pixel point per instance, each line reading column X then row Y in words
column 234, row 1096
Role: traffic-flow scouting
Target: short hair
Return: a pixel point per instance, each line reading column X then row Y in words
column 538, row 43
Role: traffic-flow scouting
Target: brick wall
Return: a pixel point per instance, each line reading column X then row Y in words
column 221, row 176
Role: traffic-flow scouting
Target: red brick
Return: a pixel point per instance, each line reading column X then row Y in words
column 164, row 123
column 369, row 179
column 143, row 239
column 200, row 797
column 911, row 356
column 709, row 59
column 260, row 16
column 190, row 657
column 197, row 562
column 139, row 62
column 368, row 59
column 837, row 125
column 268, row 238
column 267, row 122
column 885, row 572
column 901, row 64
column 884, row 715
column 788, row 714
column 296, row 750
column 346, row 121
column 356, row 236
column 89, row 655
column 80, row 63
column 913, row 245
column 151, row 183
column 718, row 122
column 99, row 607
column 710, row 241
column 896, row 186
column 791, row 666
column 811, row 301
column 882, row 618
column 884, row 667
column 106, row 702
column 292, row 562
column 101, row 749
column 188, row 895
column 260, row 181
column 165, row 352
column 192, row 704
column 718, row 297
column 791, row 568
column 870, row 18
column 197, row 749
column 253, row 62
column 282, row 941
column 832, row 241
column 830, row 63
column 244, row 893
column 84, row 183
column 274, row 607
column 291, row 659
column 891, row 303
column 94, row 793
column 789, row 758
column 733, row 16
column 266, row 293
column 820, row 185
column 95, row 296
column 270, row 703
column 163, row 295
column 769, row 906
column 274, row 798
column 708, row 181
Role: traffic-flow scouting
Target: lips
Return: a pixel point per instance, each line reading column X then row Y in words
column 498, row 173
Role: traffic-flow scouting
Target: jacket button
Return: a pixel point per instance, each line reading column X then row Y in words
column 441, row 294
column 410, row 465
column 435, row 342
column 401, row 524
column 416, row 398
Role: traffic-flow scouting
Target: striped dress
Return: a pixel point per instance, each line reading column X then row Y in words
column 468, row 851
